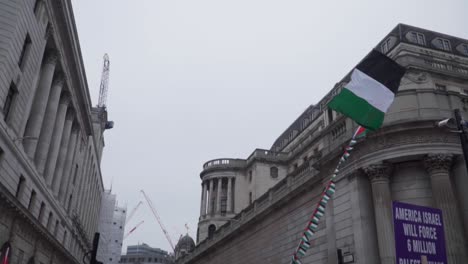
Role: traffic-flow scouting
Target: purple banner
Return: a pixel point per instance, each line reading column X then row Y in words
column 419, row 234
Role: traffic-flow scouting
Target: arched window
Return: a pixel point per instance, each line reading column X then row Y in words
column 274, row 172
column 211, row 230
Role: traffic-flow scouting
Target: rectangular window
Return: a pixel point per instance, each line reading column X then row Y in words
column 9, row 100
column 56, row 228
column 41, row 212
column 69, row 203
column 65, row 238
column 418, row 38
column 32, row 200
column 444, row 44
column 24, row 52
column 19, row 189
column 385, row 46
column 465, row 48
column 49, row 221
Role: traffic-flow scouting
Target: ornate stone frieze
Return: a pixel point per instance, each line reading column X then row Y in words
column 412, row 137
column 436, row 163
column 378, row 172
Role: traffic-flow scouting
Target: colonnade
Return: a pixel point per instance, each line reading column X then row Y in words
column 217, row 197
column 438, row 167
column 63, row 155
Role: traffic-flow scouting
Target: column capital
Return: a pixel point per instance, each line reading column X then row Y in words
column 70, row 114
column 438, row 163
column 59, row 78
column 378, row 172
column 65, row 98
column 51, row 56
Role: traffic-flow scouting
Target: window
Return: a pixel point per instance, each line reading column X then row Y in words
column 250, row 176
column 65, row 238
column 418, row 38
column 9, row 100
column 41, row 212
column 443, row 44
column 211, row 230
column 24, row 52
column 49, row 220
column 330, row 115
column 69, row 203
column 465, row 48
column 56, row 227
column 19, row 189
column 32, row 200
column 250, row 197
column 385, row 47
column 440, row 87
column 274, row 172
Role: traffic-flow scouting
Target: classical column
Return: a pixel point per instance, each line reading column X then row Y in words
column 57, row 137
column 438, row 167
column 76, row 165
column 210, row 196
column 203, row 200
column 379, row 175
column 218, row 195
column 68, row 164
column 80, row 174
column 58, row 173
column 229, row 196
column 45, row 137
column 36, row 116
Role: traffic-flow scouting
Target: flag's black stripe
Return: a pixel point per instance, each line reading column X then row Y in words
column 382, row 69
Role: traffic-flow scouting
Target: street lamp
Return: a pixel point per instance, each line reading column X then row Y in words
column 459, row 124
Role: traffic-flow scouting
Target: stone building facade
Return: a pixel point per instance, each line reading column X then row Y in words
column 254, row 210
column 111, row 228
column 51, row 138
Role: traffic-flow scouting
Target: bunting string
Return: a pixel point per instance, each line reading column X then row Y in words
column 319, row 211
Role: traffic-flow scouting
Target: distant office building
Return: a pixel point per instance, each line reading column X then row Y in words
column 144, row 254
column 51, row 138
column 111, row 227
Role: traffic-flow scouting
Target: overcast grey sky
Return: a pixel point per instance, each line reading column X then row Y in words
column 194, row 80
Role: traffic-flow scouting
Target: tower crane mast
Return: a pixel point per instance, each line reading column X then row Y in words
column 104, row 82
column 133, row 229
column 156, row 215
column 132, row 213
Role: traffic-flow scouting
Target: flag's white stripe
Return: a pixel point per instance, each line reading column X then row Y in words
column 375, row 93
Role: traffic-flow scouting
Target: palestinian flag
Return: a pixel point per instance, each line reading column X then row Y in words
column 369, row 94
column 360, row 133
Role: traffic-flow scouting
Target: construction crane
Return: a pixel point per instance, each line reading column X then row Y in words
column 133, row 229
column 156, row 215
column 132, row 213
column 104, row 82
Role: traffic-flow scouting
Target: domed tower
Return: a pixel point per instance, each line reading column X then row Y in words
column 184, row 246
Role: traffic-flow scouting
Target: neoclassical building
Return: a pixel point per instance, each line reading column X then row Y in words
column 254, row 210
column 51, row 138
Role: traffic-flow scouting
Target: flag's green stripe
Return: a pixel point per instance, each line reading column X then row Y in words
column 358, row 109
